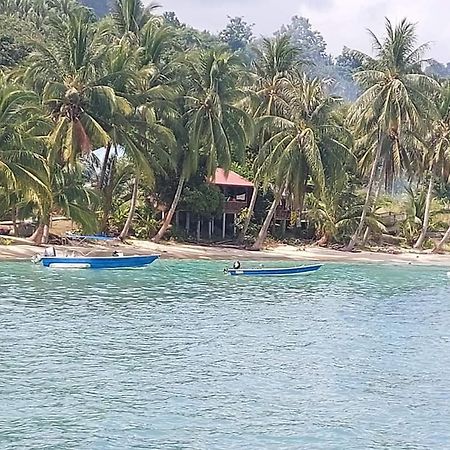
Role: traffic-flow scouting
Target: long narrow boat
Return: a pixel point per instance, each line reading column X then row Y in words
column 96, row 262
column 274, row 271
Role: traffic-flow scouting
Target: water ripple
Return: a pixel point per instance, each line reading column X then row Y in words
column 181, row 356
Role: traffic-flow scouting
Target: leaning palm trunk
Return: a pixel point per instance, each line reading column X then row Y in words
column 249, row 215
column 367, row 231
column 171, row 212
column 126, row 228
column 265, row 227
column 41, row 234
column 440, row 246
column 367, row 203
column 426, row 217
column 104, row 165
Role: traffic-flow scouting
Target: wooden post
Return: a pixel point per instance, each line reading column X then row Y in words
column 234, row 224
column 199, row 229
column 213, row 225
column 283, row 227
column 224, row 223
column 188, row 221
column 210, row 229
column 177, row 219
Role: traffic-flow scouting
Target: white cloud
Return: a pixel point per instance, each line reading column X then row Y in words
column 346, row 22
column 342, row 22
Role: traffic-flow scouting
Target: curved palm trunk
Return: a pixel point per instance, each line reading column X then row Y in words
column 104, row 165
column 440, row 246
column 126, row 228
column 41, row 234
column 367, row 203
column 324, row 239
column 265, row 227
column 367, row 230
column 365, row 237
column 171, row 212
column 426, row 217
column 249, row 216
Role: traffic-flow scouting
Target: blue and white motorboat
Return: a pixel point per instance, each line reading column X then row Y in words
column 274, row 271
column 115, row 261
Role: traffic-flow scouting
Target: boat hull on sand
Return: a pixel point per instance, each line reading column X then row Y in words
column 97, row 262
column 271, row 272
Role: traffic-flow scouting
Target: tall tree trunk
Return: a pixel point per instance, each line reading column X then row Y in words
column 249, row 216
column 107, row 193
column 41, row 234
column 14, row 219
column 36, row 237
column 45, row 233
column 440, row 246
column 265, row 227
column 367, row 203
column 324, row 239
column 365, row 236
column 199, row 224
column 377, row 195
column 126, row 228
column 104, row 221
column 104, row 165
column 171, row 212
column 426, row 216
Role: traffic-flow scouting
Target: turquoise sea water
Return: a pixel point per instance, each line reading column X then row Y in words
column 179, row 356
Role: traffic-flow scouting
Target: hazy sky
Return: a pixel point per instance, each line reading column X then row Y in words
column 342, row 22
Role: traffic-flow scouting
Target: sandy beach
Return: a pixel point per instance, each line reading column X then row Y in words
column 21, row 249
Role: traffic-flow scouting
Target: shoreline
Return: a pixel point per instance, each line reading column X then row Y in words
column 22, row 250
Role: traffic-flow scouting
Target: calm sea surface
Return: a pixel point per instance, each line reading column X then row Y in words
column 180, row 356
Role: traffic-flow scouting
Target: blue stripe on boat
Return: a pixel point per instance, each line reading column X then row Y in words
column 100, row 262
column 274, row 271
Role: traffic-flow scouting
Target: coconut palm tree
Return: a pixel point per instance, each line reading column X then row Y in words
column 66, row 71
column 305, row 144
column 22, row 167
column 136, row 69
column 218, row 131
column 276, row 60
column 395, row 108
column 69, row 196
column 437, row 156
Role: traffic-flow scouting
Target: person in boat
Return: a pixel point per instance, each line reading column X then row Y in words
column 236, row 266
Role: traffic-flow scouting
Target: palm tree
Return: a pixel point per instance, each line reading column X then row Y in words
column 276, row 61
column 305, row 144
column 437, row 157
column 23, row 169
column 135, row 70
column 69, row 196
column 66, row 70
column 131, row 16
column 395, row 108
column 218, row 131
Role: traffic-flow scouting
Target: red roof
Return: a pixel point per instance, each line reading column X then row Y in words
column 230, row 179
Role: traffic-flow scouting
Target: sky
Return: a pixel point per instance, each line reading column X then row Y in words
column 341, row 22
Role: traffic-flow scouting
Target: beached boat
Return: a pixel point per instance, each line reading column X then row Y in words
column 96, row 262
column 274, row 271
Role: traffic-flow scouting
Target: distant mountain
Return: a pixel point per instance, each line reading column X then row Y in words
column 101, row 7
